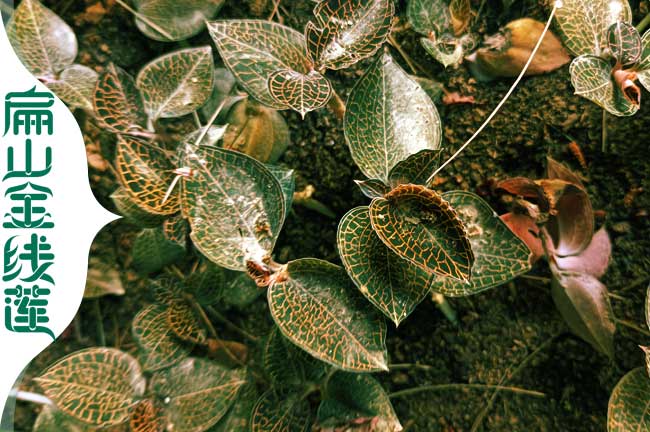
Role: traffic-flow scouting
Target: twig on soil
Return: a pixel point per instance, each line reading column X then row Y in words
column 461, row 386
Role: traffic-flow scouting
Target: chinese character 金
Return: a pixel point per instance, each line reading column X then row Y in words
column 29, row 171
column 28, row 214
column 29, row 109
column 25, row 310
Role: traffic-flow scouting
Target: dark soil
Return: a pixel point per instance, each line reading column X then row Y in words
column 497, row 330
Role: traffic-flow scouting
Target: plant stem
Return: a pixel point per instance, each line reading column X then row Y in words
column 36, row 398
column 631, row 325
column 336, row 105
column 217, row 315
column 276, row 5
column 455, row 386
column 643, row 24
column 603, row 138
column 197, row 120
column 101, row 336
column 76, row 322
column 398, row 366
column 412, row 65
column 505, row 98
column 445, row 308
column 145, row 20
column 506, row 377
column 536, row 278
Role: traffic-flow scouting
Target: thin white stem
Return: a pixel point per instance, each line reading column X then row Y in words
column 145, row 20
column 557, row 5
column 36, row 398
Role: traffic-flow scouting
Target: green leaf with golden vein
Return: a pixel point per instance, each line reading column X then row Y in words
column 98, row 386
column 181, row 19
column 499, row 254
column 152, row 251
column 117, row 102
column 206, row 283
column 126, row 206
column 146, row 172
column 254, row 49
column 197, row 392
column 388, row 118
column 347, row 31
column 144, row 418
column 372, row 188
column 289, row 366
column 167, row 289
column 629, row 404
column 281, row 411
column 247, row 199
column 178, row 83
column 394, row 285
column 316, row 307
column 184, row 322
column 75, row 87
column 583, row 24
column 43, row 42
column 428, row 16
column 643, row 66
column 416, row 169
column 624, row 43
column 591, row 78
column 421, row 227
column 175, row 229
column 156, row 339
column 51, row 419
column 286, row 179
column 241, row 291
column 352, row 398
column 300, row 92
column 238, row 417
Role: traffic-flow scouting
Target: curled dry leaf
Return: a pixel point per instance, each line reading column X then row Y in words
column 527, row 230
column 257, row 131
column 347, row 31
column 506, row 53
column 557, row 170
column 625, row 82
column 117, row 102
column 583, row 302
column 227, row 353
column 593, row 260
column 300, row 92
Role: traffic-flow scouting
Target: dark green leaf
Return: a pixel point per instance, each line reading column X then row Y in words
column 388, row 118
column 238, row 417
column 372, row 188
column 51, row 419
column 178, row 83
column 180, row 19
column 420, row 226
column 117, row 102
column 499, row 254
column 643, row 67
column 416, row 169
column 207, row 283
column 394, row 285
column 126, row 206
column 98, row 386
column 176, row 230
column 624, row 43
column 347, row 31
column 286, row 412
column 428, row 16
column 629, row 404
column 315, row 306
column 152, row 251
column 241, row 291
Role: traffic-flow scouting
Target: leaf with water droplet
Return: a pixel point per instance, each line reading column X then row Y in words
column 347, row 31
column 629, row 403
column 388, row 118
column 117, row 102
column 499, row 255
column 178, row 83
column 421, row 227
column 75, row 87
column 101, row 398
column 180, row 19
column 316, row 307
column 247, row 198
column 394, row 285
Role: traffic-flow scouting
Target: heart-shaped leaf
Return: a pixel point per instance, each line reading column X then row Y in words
column 144, row 418
column 126, row 206
column 257, row 131
column 286, row 179
column 178, row 83
column 629, row 404
column 300, row 92
column 583, row 24
column 146, row 172
column 288, row 366
column 499, row 254
column 372, row 188
column 117, row 102
column 156, row 339
column 238, row 417
column 316, row 307
column 176, row 230
column 180, row 19
column 75, row 87
column 43, row 42
column 152, row 251
column 624, row 43
column 103, row 279
column 593, row 260
column 428, row 16
column 643, row 66
column 51, row 419
column 416, row 169
column 254, row 49
column 347, row 31
column 388, row 118
column 447, row 51
column 583, row 302
column 421, row 227
column 247, row 199
column 352, row 399
column 394, row 285
column 184, row 322
column 280, row 411
column 98, row 386
column 591, row 78
column 197, row 392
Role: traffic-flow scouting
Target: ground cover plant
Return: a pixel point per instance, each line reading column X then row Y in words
column 232, row 310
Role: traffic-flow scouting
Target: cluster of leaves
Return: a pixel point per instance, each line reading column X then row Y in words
column 629, row 404
column 555, row 218
column 611, row 55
